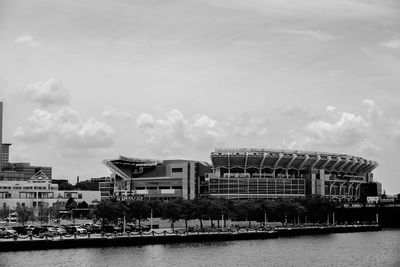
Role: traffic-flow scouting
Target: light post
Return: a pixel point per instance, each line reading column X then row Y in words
column 124, row 223
column 151, row 219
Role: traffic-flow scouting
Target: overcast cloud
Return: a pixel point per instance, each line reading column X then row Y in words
column 175, row 79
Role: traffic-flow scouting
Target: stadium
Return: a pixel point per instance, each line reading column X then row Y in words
column 245, row 173
column 271, row 173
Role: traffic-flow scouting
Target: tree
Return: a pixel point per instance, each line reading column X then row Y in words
column 43, row 212
column 82, row 209
column 248, row 210
column 317, row 208
column 71, row 204
column 55, row 211
column 108, row 212
column 24, row 214
column 200, row 211
column 172, row 212
column 138, row 210
column 4, row 212
column 86, row 185
column 65, row 186
column 215, row 209
column 187, row 211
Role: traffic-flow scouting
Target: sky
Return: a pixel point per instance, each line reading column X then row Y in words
column 84, row 81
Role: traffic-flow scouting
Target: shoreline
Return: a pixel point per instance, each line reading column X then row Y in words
column 153, row 238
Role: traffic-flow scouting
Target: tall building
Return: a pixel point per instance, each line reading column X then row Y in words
column 5, row 153
column 1, row 134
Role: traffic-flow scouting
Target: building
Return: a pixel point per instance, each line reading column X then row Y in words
column 245, row 173
column 269, row 173
column 21, row 171
column 156, row 179
column 105, row 185
column 38, row 191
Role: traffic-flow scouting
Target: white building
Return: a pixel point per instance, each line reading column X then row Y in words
column 39, row 191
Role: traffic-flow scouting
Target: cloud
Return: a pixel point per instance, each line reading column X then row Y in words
column 308, row 34
column 50, row 92
column 28, row 40
column 245, row 125
column 65, row 128
column 292, row 110
column 370, row 133
column 392, row 44
column 330, row 109
column 347, row 131
column 174, row 132
column 113, row 114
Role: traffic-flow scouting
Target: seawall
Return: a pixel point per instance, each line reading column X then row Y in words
column 139, row 240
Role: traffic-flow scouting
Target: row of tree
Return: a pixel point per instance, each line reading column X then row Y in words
column 310, row 210
column 43, row 212
column 84, row 185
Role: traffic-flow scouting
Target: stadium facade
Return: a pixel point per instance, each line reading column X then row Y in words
column 156, row 179
column 271, row 173
column 245, row 173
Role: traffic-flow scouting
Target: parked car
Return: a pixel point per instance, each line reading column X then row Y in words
column 40, row 231
column 29, row 229
column 73, row 229
column 60, row 230
column 21, row 230
column 93, row 228
column 7, row 233
column 112, row 229
column 142, row 228
column 51, row 231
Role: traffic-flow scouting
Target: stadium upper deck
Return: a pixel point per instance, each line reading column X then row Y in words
column 251, row 159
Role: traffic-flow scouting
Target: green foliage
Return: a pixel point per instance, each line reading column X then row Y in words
column 109, row 211
column 43, row 212
column 71, row 204
column 25, row 214
column 137, row 210
column 4, row 212
column 65, row 186
column 83, row 205
column 172, row 211
column 315, row 209
column 86, row 185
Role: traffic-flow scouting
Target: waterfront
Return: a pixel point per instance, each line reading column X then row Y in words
column 350, row 249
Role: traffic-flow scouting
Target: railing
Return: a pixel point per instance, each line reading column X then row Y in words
column 285, row 151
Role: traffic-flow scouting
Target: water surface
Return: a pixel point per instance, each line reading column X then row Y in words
column 348, row 249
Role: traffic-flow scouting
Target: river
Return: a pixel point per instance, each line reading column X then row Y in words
column 349, row 249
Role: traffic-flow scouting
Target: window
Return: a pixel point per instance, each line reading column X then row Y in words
column 177, row 170
column 79, row 196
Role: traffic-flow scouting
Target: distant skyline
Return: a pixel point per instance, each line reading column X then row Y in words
column 84, row 81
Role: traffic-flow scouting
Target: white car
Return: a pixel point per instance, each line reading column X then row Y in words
column 76, row 230
column 7, row 233
column 81, row 230
column 60, row 230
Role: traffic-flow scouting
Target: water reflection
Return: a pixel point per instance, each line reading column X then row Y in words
column 352, row 249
